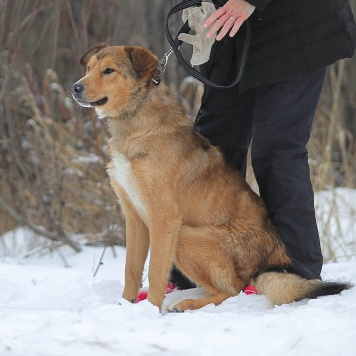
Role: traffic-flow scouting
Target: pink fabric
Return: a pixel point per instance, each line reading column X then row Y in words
column 142, row 293
column 250, row 290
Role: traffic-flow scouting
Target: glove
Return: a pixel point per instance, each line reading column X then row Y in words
column 196, row 17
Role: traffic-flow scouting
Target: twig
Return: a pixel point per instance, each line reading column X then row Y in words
column 40, row 231
column 71, row 17
column 36, row 250
column 100, row 262
column 62, row 258
column 87, row 140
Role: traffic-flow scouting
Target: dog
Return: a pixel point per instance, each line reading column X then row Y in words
column 180, row 198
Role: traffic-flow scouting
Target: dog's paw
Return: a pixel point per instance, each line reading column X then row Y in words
column 172, row 308
column 181, row 306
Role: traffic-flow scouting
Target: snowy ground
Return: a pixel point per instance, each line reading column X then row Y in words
column 47, row 309
column 336, row 216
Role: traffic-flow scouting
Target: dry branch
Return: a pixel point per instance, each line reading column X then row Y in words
column 36, row 229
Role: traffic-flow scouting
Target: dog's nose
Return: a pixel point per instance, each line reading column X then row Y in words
column 77, row 88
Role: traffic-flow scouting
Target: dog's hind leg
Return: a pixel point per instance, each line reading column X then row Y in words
column 193, row 304
column 201, row 256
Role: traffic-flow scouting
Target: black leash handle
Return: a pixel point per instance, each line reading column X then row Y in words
column 175, row 44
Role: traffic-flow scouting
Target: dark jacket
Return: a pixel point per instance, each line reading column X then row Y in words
column 289, row 39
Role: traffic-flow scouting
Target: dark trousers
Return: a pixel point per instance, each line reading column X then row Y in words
column 276, row 119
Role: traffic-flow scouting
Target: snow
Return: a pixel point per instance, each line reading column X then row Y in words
column 47, row 309
column 336, row 216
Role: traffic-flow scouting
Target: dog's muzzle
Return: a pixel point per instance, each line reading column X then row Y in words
column 77, row 94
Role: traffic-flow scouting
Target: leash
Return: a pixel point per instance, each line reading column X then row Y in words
column 175, row 45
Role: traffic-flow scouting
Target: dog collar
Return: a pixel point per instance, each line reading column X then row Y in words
column 156, row 78
column 162, row 64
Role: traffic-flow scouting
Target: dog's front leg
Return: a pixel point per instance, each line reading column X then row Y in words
column 163, row 239
column 137, row 243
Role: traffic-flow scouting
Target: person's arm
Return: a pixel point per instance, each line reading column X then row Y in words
column 231, row 16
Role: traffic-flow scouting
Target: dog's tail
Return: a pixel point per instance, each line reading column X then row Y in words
column 283, row 288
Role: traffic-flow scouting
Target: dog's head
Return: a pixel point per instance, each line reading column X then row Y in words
column 117, row 79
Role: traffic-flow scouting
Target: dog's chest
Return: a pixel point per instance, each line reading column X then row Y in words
column 122, row 173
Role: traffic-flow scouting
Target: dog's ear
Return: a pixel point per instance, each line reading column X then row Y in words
column 142, row 59
column 86, row 57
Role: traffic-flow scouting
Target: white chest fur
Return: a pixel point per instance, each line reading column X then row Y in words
column 123, row 174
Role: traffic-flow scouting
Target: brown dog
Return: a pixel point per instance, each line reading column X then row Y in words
column 179, row 196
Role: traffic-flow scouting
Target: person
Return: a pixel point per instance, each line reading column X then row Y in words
column 273, row 106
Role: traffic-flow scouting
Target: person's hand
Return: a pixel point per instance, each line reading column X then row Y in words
column 230, row 17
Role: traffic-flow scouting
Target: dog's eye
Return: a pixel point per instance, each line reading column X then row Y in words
column 108, row 71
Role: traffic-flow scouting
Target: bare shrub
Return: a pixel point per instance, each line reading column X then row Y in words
column 53, row 155
column 53, row 173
